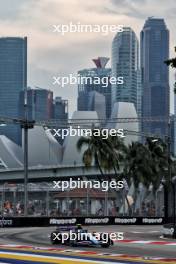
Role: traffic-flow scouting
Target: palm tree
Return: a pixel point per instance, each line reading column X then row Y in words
column 116, row 151
column 159, row 159
column 95, row 152
column 107, row 154
column 137, row 164
column 146, row 163
column 172, row 63
column 115, row 154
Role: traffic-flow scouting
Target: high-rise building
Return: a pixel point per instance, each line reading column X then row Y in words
column 30, row 104
column 60, row 109
column 155, row 75
column 13, row 79
column 43, row 104
column 84, row 89
column 97, row 102
column 125, row 63
column 124, row 110
column 60, row 112
column 39, row 104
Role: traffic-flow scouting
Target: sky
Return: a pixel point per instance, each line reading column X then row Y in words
column 51, row 54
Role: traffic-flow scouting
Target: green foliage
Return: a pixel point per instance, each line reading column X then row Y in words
column 106, row 154
column 145, row 163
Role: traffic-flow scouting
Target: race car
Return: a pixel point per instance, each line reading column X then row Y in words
column 77, row 236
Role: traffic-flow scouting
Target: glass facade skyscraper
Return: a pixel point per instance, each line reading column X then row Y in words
column 43, row 104
column 97, row 102
column 13, row 79
column 60, row 113
column 60, row 108
column 39, row 104
column 86, row 88
column 125, row 62
column 155, row 75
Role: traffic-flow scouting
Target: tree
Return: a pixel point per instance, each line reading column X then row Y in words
column 137, row 164
column 146, row 163
column 172, row 63
column 159, row 159
column 95, row 152
column 105, row 153
column 115, row 154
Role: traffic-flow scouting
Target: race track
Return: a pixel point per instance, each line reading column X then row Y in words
column 142, row 244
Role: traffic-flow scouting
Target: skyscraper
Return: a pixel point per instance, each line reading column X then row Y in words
column 125, row 62
column 155, row 75
column 84, row 89
column 60, row 112
column 39, row 104
column 43, row 104
column 30, row 104
column 60, row 108
column 97, row 102
column 13, row 79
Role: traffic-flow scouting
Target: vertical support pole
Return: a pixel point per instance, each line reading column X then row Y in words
column 25, row 170
column 25, row 126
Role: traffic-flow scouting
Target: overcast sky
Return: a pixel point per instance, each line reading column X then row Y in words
column 52, row 54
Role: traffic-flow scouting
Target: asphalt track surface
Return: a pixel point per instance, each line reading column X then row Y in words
column 40, row 237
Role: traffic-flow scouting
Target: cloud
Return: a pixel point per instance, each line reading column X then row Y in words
column 50, row 53
column 142, row 9
column 10, row 9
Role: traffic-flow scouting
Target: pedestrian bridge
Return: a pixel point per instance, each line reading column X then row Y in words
column 49, row 173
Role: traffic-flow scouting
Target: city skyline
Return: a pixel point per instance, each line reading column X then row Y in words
column 54, row 58
column 88, row 131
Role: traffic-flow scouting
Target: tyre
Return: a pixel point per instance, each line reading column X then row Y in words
column 105, row 245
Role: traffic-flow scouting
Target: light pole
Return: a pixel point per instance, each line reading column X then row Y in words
column 47, row 201
column 163, row 182
column 173, row 181
column 25, row 170
column 169, row 150
column 166, row 182
column 26, row 124
column 3, row 197
column 159, row 202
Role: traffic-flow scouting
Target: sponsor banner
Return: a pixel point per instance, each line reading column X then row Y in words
column 47, row 221
column 6, row 222
column 62, row 221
